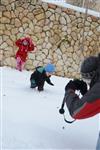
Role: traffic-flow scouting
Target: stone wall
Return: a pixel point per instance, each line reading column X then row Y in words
column 57, row 32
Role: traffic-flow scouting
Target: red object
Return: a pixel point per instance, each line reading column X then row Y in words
column 25, row 45
column 88, row 110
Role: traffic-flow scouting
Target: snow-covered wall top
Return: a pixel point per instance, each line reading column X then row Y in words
column 63, row 3
column 60, row 34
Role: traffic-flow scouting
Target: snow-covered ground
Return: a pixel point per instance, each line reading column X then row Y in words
column 31, row 119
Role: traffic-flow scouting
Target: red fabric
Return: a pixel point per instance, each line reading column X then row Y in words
column 24, row 49
column 89, row 110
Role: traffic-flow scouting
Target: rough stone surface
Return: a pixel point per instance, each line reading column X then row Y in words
column 57, row 32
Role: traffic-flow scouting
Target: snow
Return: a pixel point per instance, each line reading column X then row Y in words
column 31, row 119
column 64, row 4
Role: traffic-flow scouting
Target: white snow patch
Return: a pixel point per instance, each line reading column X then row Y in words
column 31, row 120
column 62, row 3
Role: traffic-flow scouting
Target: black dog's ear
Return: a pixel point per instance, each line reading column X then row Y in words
column 67, row 85
column 70, row 85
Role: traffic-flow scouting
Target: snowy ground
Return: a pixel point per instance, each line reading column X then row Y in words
column 31, row 119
